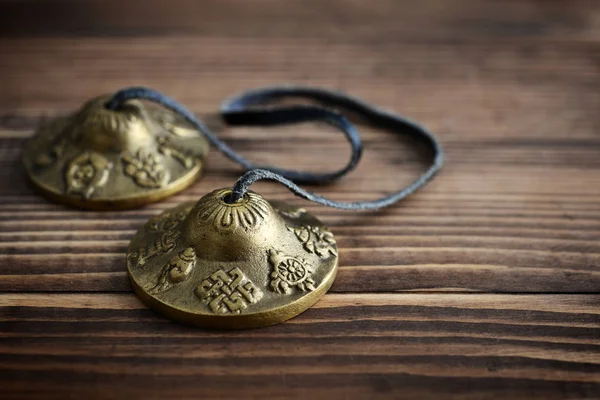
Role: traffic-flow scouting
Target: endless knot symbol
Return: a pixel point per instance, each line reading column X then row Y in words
column 228, row 292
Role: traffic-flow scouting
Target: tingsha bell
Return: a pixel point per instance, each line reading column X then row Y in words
column 248, row 264
column 98, row 158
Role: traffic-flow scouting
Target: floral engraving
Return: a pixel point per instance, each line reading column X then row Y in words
column 166, row 242
column 289, row 272
column 316, row 240
column 86, row 173
column 177, row 270
column 246, row 215
column 228, row 292
column 145, row 169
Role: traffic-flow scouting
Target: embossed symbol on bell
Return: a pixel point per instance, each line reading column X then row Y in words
column 316, row 240
column 231, row 265
column 289, row 272
column 86, row 173
column 105, row 159
column 145, row 169
column 177, row 270
column 167, row 241
column 228, row 292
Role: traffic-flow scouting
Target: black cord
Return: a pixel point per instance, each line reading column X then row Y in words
column 264, row 117
column 235, row 111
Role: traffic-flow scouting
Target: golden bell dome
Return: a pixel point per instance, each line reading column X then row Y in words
column 247, row 264
column 105, row 159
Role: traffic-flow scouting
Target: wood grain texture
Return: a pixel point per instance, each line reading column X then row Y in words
column 484, row 285
column 375, row 345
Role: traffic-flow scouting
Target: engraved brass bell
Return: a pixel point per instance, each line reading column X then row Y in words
column 103, row 159
column 248, row 264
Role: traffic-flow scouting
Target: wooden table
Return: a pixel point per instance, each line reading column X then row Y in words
column 486, row 284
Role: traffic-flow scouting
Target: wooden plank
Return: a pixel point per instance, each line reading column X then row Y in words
column 524, row 90
column 424, row 20
column 347, row 346
column 512, row 90
column 468, row 231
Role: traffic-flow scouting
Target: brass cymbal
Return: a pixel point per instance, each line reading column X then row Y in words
column 103, row 159
column 248, row 264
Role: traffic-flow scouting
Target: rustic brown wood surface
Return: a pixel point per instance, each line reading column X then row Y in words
column 486, row 284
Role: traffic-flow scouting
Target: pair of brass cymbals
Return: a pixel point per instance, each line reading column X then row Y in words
column 213, row 263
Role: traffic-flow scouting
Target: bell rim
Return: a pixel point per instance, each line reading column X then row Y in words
column 130, row 202
column 241, row 321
